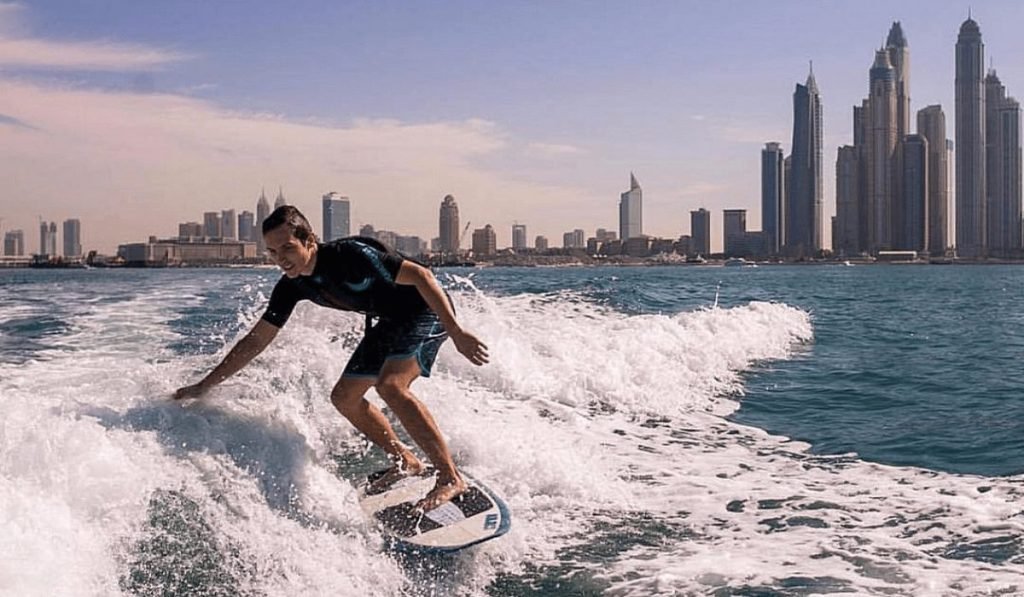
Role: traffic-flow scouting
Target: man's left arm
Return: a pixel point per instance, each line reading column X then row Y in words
column 413, row 274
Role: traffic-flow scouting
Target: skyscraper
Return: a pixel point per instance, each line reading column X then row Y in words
column 803, row 207
column 336, row 217
column 911, row 223
column 247, row 226
column 485, row 241
column 448, row 226
column 262, row 212
column 734, row 231
column 899, row 57
column 280, row 198
column 882, row 175
column 700, row 231
column 773, row 186
column 518, row 237
column 971, row 194
column 228, row 221
column 846, row 231
column 931, row 124
column 14, row 243
column 72, row 238
column 1003, row 165
column 211, row 224
column 631, row 211
column 48, row 238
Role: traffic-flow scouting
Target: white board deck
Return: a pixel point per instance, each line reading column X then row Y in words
column 475, row 516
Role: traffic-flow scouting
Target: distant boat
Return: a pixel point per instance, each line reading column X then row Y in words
column 737, row 262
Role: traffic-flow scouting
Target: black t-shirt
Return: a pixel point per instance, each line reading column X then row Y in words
column 351, row 274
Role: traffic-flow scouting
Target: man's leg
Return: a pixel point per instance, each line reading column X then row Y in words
column 393, row 386
column 347, row 397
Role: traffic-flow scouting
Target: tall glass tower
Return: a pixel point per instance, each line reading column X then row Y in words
column 631, row 211
column 448, row 226
column 72, row 238
column 971, row 195
column 1003, row 169
column 931, row 124
column 772, row 204
column 336, row 217
column 262, row 212
column 803, row 207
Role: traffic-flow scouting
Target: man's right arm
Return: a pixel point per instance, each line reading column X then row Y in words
column 251, row 345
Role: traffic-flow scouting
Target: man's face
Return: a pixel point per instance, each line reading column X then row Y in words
column 292, row 255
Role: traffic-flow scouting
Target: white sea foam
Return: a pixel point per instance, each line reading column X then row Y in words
column 603, row 430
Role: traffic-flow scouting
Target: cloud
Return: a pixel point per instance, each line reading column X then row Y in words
column 12, row 121
column 21, row 50
column 553, row 149
column 94, row 55
column 130, row 165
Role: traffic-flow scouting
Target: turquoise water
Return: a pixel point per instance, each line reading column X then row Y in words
column 909, row 365
column 778, row 430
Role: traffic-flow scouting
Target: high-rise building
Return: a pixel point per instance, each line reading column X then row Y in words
column 772, row 198
column 367, row 231
column 971, row 194
column 931, row 124
column 228, row 220
column 280, row 198
column 336, row 217
column 211, row 224
column 518, row 237
column 882, row 174
column 899, row 57
column 631, row 211
column 485, row 241
column 803, row 206
column 911, row 222
column 48, row 238
column 190, row 230
column 14, row 243
column 262, row 212
column 734, row 231
column 700, row 231
column 1003, row 164
column 540, row 243
column 846, row 228
column 247, row 226
column 448, row 226
column 72, row 238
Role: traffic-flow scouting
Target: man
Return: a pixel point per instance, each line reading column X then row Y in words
column 414, row 318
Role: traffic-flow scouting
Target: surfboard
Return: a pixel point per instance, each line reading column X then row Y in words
column 476, row 516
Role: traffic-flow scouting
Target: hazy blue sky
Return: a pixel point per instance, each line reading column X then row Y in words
column 134, row 116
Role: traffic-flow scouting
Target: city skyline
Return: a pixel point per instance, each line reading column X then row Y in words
column 166, row 126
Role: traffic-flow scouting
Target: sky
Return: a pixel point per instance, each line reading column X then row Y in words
column 135, row 116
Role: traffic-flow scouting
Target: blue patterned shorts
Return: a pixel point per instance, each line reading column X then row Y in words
column 420, row 336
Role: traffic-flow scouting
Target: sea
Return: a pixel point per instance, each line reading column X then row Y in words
column 677, row 430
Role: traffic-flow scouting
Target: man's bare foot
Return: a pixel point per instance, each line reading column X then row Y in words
column 396, row 473
column 443, row 492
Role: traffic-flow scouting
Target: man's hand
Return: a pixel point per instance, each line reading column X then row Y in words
column 471, row 347
column 192, row 391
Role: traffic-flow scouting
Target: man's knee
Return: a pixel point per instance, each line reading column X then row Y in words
column 393, row 390
column 347, row 396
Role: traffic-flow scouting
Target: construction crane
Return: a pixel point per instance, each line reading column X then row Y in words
column 462, row 237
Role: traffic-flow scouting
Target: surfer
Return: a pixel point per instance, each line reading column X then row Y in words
column 414, row 317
